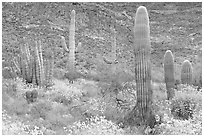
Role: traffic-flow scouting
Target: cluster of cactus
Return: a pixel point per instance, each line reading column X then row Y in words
column 31, row 66
column 26, row 63
column 186, row 73
column 169, row 74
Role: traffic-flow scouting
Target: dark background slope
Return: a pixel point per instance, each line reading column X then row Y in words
column 174, row 26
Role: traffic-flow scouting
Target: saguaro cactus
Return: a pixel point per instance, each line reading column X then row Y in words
column 142, row 111
column 186, row 73
column 71, row 64
column 169, row 73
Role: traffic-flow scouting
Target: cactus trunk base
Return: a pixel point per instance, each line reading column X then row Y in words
column 134, row 118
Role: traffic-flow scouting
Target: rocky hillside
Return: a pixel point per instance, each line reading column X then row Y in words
column 174, row 26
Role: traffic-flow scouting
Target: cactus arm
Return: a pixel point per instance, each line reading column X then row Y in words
column 64, row 45
column 107, row 60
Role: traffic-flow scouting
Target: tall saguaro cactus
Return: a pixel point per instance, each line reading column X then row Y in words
column 186, row 73
column 169, row 73
column 72, row 42
column 142, row 111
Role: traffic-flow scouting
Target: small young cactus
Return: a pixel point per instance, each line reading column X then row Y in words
column 169, row 74
column 186, row 73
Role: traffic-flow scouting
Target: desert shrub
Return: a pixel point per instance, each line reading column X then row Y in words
column 171, row 126
column 8, row 73
column 62, row 99
column 40, row 109
column 58, row 117
column 96, row 125
column 17, row 106
column 9, row 87
column 11, row 101
column 58, row 73
column 186, row 102
column 72, row 76
column 94, row 106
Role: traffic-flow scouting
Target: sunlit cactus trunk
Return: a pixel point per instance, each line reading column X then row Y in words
column 169, row 74
column 34, row 79
column 71, row 64
column 142, row 111
column 16, row 66
column 38, row 66
column 42, row 76
column 186, row 73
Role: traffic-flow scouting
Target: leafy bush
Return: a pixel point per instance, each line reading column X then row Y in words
column 171, row 126
column 186, row 102
column 59, row 73
column 62, row 99
column 17, row 106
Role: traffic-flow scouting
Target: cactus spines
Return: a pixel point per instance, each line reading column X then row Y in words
column 33, row 71
column 141, row 113
column 186, row 73
column 28, row 65
column 169, row 74
column 14, row 62
column 41, row 63
column 38, row 67
column 72, row 42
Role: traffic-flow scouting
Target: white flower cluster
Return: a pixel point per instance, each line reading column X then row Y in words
column 97, row 125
